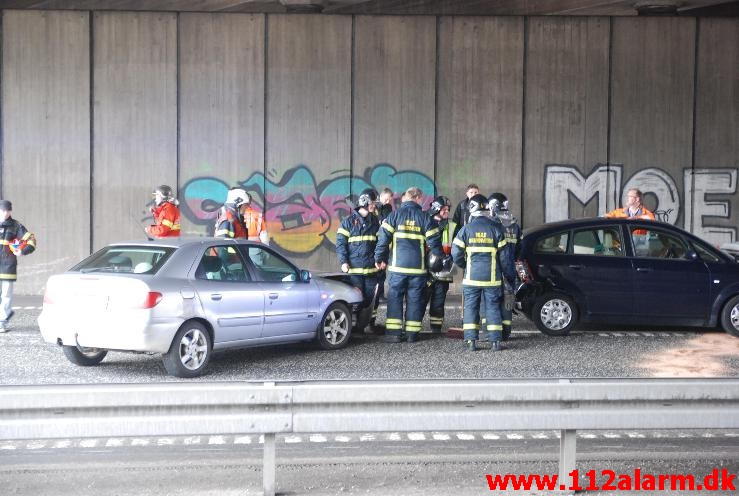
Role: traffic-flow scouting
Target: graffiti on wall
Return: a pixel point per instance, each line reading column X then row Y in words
column 698, row 205
column 303, row 214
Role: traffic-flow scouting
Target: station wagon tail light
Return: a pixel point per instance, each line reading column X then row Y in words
column 524, row 271
column 152, row 299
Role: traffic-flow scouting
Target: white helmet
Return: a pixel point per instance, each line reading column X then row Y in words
column 237, row 197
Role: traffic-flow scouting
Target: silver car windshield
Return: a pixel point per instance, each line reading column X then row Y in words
column 126, row 259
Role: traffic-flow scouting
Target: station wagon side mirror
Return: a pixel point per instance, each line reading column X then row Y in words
column 305, row 276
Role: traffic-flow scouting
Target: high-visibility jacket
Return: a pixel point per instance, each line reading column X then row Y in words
column 356, row 240
column 480, row 248
column 512, row 229
column 623, row 213
column 229, row 224
column 14, row 233
column 409, row 229
column 166, row 221
column 254, row 222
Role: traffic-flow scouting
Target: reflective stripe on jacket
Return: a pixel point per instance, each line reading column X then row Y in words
column 166, row 221
column 409, row 229
column 356, row 240
column 13, row 232
column 229, row 224
column 481, row 249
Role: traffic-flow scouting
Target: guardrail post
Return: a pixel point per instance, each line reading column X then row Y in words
column 268, row 465
column 567, row 454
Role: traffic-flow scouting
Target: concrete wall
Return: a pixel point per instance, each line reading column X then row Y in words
column 561, row 114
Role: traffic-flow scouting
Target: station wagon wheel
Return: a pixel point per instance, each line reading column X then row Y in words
column 190, row 351
column 730, row 317
column 85, row 357
column 335, row 327
column 555, row 314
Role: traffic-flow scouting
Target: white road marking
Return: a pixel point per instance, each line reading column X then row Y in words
column 416, row 436
column 514, row 436
column 540, row 435
column 165, row 441
column 29, row 308
column 318, row 438
column 34, row 445
column 462, row 436
column 490, row 436
column 342, row 439
column 7, row 446
column 611, row 435
column 293, row 439
column 62, row 443
column 587, row 435
column 635, row 435
column 113, row 442
column 139, row 442
column 438, row 436
column 393, row 436
column 191, row 440
column 216, row 440
column 367, row 437
column 88, row 443
column 242, row 440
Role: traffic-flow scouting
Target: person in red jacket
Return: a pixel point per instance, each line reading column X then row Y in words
column 166, row 214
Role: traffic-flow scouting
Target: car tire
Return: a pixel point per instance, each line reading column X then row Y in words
column 190, row 352
column 84, row 357
column 555, row 314
column 335, row 328
column 730, row 316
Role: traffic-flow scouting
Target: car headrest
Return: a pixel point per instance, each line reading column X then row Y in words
column 212, row 263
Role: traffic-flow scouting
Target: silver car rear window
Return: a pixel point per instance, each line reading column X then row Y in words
column 126, row 260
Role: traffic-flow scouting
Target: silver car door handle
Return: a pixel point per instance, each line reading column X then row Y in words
column 215, row 296
column 576, row 267
column 644, row 269
column 273, row 296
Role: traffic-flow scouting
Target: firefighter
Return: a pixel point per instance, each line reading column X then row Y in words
column 356, row 240
column 498, row 205
column 439, row 281
column 254, row 222
column 166, row 214
column 409, row 230
column 230, row 222
column 480, row 249
column 15, row 241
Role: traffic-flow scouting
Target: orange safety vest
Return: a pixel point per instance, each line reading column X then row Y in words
column 254, row 222
column 622, row 213
column 166, row 221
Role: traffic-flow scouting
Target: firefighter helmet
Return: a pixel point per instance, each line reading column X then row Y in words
column 434, row 262
column 366, row 197
column 237, row 197
column 497, row 202
column 477, row 205
column 439, row 203
column 165, row 191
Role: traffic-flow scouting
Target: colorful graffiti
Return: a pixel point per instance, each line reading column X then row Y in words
column 303, row 213
column 698, row 205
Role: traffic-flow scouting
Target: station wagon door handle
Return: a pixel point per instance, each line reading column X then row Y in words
column 576, row 267
column 644, row 269
column 273, row 296
column 215, row 296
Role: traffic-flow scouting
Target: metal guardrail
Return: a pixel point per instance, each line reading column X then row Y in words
column 41, row 412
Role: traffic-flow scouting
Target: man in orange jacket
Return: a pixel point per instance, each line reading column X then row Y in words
column 633, row 209
column 254, row 222
column 166, row 214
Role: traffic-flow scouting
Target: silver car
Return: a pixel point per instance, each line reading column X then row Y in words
column 185, row 298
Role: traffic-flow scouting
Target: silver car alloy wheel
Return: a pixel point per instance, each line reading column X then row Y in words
column 193, row 349
column 335, row 326
column 556, row 314
column 735, row 316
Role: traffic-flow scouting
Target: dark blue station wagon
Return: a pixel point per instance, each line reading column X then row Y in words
column 625, row 271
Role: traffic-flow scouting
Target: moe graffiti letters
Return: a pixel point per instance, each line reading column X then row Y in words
column 604, row 183
column 302, row 214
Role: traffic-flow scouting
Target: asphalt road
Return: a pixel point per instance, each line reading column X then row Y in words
column 592, row 352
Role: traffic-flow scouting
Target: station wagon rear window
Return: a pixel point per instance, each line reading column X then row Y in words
column 556, row 243
column 126, row 260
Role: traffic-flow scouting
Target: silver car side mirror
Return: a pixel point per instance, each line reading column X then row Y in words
column 305, row 276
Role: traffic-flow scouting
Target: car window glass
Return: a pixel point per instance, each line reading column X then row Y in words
column 221, row 263
column 705, row 254
column 605, row 242
column 649, row 243
column 556, row 243
column 126, row 259
column 271, row 267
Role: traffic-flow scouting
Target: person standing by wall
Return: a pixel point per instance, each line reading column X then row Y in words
column 462, row 212
column 166, row 214
column 386, row 204
column 409, row 230
column 633, row 208
column 16, row 241
column 384, row 210
column 230, row 221
column 439, row 281
column 356, row 240
column 480, row 249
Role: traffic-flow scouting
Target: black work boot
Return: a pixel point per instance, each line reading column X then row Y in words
column 496, row 346
column 412, row 337
column 391, row 338
column 470, row 344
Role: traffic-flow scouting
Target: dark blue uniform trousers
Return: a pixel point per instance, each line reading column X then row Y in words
column 473, row 298
column 366, row 284
column 437, row 296
column 406, row 289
